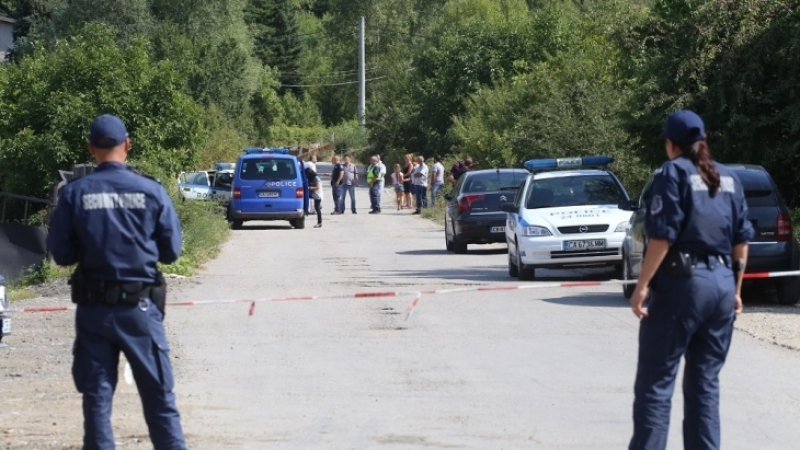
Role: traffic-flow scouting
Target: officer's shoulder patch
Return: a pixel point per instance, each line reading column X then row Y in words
column 656, row 205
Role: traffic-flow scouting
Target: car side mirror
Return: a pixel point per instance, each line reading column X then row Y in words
column 628, row 205
column 508, row 207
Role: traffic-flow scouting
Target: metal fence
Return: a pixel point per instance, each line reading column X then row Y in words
column 4, row 200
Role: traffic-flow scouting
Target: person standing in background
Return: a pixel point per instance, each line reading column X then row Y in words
column 350, row 183
column 311, row 163
column 373, row 175
column 460, row 168
column 420, row 180
column 382, row 181
column 437, row 179
column 408, row 185
column 397, row 183
column 337, row 178
column 315, row 192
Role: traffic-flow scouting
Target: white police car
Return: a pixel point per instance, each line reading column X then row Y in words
column 208, row 184
column 565, row 215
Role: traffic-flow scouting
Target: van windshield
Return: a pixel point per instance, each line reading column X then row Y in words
column 268, row 169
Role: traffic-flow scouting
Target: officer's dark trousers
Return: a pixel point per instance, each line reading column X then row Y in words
column 691, row 317
column 102, row 332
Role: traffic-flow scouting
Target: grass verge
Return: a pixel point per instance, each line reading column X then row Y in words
column 204, row 228
column 22, row 293
column 436, row 213
column 795, row 213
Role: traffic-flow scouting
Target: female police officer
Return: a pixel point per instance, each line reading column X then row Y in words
column 698, row 233
column 116, row 225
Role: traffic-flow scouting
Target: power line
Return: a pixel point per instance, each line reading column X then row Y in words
column 344, row 73
column 330, row 84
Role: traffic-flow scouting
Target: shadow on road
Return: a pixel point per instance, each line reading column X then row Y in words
column 246, row 227
column 607, row 299
column 434, row 251
column 426, row 252
column 488, row 274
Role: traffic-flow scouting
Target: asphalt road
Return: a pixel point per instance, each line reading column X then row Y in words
column 540, row 368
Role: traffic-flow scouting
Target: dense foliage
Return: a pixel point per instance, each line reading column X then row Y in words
column 502, row 81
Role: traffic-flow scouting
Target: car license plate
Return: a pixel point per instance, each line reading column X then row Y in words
column 6, row 326
column 498, row 229
column 269, row 194
column 591, row 244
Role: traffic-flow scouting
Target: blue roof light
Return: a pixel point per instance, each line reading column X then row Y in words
column 224, row 166
column 274, row 151
column 567, row 163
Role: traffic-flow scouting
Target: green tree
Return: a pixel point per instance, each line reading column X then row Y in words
column 50, row 97
column 736, row 64
column 274, row 28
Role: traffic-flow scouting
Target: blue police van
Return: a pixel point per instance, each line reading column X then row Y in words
column 269, row 184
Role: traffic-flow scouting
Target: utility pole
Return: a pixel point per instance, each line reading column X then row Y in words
column 362, row 83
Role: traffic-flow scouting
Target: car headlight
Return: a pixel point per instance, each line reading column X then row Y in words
column 536, row 231
column 621, row 228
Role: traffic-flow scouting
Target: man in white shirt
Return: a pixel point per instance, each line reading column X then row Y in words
column 382, row 178
column 437, row 179
column 419, row 177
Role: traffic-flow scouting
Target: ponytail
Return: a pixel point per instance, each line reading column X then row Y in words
column 700, row 155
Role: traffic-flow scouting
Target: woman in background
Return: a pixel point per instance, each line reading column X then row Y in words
column 407, row 169
column 397, row 182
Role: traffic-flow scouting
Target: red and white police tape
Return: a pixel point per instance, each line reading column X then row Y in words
column 416, row 294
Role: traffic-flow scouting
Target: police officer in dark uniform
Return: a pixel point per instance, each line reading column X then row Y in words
column 698, row 233
column 116, row 225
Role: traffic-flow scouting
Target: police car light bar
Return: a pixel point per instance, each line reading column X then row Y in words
column 225, row 166
column 274, row 151
column 567, row 163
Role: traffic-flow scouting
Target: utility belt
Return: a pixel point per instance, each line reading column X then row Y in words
column 88, row 291
column 680, row 263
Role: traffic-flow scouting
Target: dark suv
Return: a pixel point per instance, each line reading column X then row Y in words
column 772, row 249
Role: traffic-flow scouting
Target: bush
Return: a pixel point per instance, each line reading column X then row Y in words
column 49, row 99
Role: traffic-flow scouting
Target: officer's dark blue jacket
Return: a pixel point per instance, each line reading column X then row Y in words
column 682, row 212
column 116, row 223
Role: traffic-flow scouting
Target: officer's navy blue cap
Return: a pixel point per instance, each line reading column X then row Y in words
column 107, row 131
column 684, row 127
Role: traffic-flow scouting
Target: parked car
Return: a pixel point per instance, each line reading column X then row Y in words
column 773, row 248
column 5, row 320
column 208, row 184
column 473, row 214
column 268, row 184
column 566, row 215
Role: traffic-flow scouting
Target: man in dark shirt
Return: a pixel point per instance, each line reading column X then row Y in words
column 337, row 187
column 460, row 168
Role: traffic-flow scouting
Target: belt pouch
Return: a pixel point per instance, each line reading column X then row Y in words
column 677, row 264
column 158, row 293
column 77, row 284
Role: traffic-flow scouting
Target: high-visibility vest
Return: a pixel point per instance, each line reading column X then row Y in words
column 371, row 175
